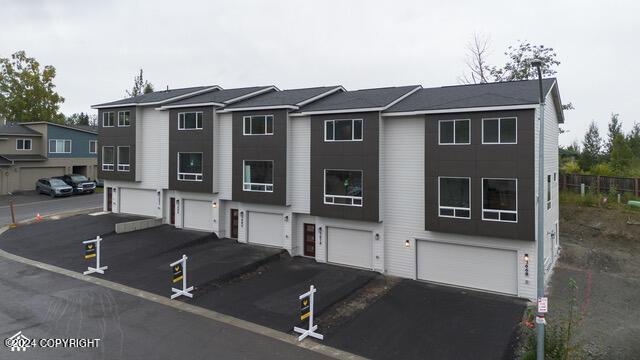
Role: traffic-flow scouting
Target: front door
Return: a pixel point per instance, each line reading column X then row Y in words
column 172, row 214
column 234, row 223
column 109, row 198
column 310, row 240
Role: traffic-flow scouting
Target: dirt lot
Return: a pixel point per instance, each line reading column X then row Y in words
column 601, row 252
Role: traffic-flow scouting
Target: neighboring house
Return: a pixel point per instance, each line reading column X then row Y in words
column 435, row 184
column 33, row 150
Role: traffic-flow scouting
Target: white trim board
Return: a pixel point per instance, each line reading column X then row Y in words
column 456, row 110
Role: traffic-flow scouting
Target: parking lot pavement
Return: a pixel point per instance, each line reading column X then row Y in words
column 417, row 320
column 28, row 204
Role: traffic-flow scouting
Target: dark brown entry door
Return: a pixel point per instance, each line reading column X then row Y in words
column 172, row 214
column 234, row 223
column 310, row 240
column 109, row 198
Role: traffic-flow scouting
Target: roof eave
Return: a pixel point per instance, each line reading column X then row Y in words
column 340, row 111
column 167, row 107
column 175, row 98
column 255, row 108
column 320, row 96
column 457, row 110
column 252, row 94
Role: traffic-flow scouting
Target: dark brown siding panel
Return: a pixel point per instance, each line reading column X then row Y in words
column 479, row 161
column 191, row 141
column 358, row 155
column 117, row 136
column 261, row 147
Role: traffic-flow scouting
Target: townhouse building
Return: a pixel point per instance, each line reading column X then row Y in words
column 435, row 184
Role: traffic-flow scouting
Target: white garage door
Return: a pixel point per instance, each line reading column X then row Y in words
column 349, row 247
column 468, row 266
column 266, row 229
column 197, row 215
column 138, row 201
column 29, row 176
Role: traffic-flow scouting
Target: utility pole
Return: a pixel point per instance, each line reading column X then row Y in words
column 540, row 321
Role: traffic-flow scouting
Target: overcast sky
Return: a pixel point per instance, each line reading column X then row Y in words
column 98, row 46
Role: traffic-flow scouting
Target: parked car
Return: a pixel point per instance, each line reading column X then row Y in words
column 99, row 182
column 53, row 187
column 80, row 183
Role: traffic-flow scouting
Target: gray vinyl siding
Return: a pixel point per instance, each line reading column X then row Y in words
column 300, row 166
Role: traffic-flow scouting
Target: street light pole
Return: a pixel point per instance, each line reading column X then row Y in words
column 540, row 322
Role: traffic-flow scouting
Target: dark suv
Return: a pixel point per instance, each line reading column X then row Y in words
column 79, row 183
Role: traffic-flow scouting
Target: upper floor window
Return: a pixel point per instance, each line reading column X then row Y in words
column 343, row 187
column 189, row 166
column 499, row 131
column 258, row 125
column 500, row 200
column 257, row 175
column 549, row 192
column 107, row 158
column 59, row 146
column 343, row 130
column 23, row 144
column 123, row 158
column 123, row 118
column 93, row 146
column 190, row 121
column 454, row 197
column 108, row 119
column 454, row 132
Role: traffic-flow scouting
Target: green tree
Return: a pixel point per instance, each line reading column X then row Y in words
column 77, row 119
column 27, row 92
column 140, row 86
column 615, row 129
column 633, row 139
column 591, row 147
column 518, row 65
column 621, row 156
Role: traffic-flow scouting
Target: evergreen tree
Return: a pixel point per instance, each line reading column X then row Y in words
column 633, row 139
column 615, row 129
column 591, row 147
column 621, row 155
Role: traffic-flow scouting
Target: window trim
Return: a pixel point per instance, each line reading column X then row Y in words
column 63, row 146
column 184, row 118
column 454, row 208
column 198, row 177
column 103, row 118
column 353, row 139
column 499, row 127
column 325, row 195
column 454, row 132
column 246, row 186
column 111, row 166
column 500, row 211
column 123, row 167
column 266, row 133
column 24, row 140
column 122, row 112
column 96, row 146
column 548, row 192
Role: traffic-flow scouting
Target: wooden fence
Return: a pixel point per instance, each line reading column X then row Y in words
column 602, row 184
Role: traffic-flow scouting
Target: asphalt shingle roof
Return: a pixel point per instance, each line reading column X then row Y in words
column 469, row 96
column 156, row 96
column 359, row 99
column 219, row 96
column 281, row 98
column 17, row 129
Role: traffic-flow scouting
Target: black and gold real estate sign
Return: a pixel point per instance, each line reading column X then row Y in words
column 177, row 272
column 89, row 250
column 305, row 307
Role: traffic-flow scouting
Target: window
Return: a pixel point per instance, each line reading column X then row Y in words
column 123, row 118
column 93, row 146
column 454, row 132
column 548, row 192
column 108, row 119
column 258, row 125
column 123, row 158
column 343, row 187
column 190, row 166
column 23, row 144
column 257, row 175
column 59, row 146
column 499, row 131
column 107, row 158
column 343, row 130
column 500, row 200
column 454, row 197
column 190, row 121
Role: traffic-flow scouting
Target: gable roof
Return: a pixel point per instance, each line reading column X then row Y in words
column 220, row 97
column 158, row 97
column 17, row 129
column 290, row 98
column 84, row 128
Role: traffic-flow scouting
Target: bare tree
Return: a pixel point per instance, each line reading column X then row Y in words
column 476, row 60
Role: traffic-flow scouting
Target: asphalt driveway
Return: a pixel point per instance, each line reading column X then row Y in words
column 28, row 204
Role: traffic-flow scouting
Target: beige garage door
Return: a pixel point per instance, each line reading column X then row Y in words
column 29, row 175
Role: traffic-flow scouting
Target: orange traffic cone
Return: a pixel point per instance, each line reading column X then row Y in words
column 38, row 217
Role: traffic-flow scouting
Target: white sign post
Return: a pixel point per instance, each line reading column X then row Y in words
column 95, row 242
column 308, row 313
column 182, row 263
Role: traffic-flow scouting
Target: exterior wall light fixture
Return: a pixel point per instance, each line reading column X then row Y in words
column 214, row 205
column 526, row 264
column 407, row 243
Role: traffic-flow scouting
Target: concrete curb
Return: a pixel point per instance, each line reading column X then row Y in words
column 183, row 306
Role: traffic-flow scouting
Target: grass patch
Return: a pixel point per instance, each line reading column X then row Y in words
column 99, row 190
column 601, row 200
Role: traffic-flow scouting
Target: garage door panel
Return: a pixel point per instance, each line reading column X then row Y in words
column 138, row 201
column 29, row 176
column 197, row 215
column 266, row 229
column 349, row 247
column 468, row 266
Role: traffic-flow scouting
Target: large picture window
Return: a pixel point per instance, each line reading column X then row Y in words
column 123, row 158
column 108, row 119
column 454, row 194
column 57, row 146
column 454, row 132
column 123, row 118
column 108, row 158
column 190, row 121
column 258, row 125
column 499, row 131
column 190, row 166
column 343, row 187
column 343, row 130
column 257, row 175
column 500, row 200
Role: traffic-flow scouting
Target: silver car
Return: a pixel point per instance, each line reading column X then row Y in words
column 53, row 187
